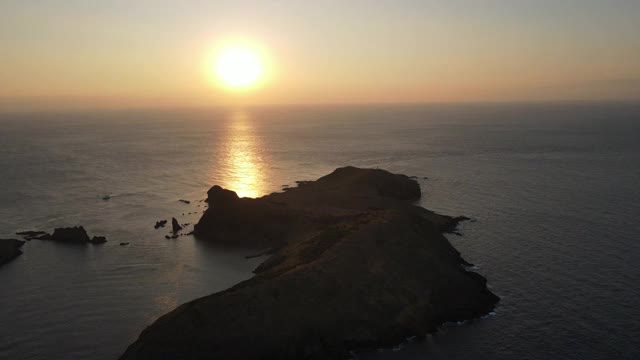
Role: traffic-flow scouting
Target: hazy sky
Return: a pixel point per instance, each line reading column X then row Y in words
column 144, row 52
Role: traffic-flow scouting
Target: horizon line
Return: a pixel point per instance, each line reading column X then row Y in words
column 173, row 107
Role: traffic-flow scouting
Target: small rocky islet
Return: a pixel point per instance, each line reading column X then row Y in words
column 354, row 264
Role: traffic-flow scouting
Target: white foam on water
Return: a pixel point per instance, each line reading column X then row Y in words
column 491, row 314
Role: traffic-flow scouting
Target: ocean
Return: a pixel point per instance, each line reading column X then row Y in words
column 553, row 189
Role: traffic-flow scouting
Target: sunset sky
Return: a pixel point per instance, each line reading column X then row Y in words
column 87, row 53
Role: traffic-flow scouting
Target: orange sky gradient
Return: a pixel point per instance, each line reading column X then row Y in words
column 159, row 53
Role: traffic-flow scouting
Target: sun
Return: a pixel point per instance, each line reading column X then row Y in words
column 239, row 67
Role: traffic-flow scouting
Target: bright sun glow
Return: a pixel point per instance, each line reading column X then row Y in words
column 239, row 67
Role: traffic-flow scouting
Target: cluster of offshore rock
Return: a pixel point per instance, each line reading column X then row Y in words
column 10, row 248
column 74, row 235
column 354, row 264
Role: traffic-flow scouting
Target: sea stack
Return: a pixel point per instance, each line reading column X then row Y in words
column 175, row 227
column 355, row 264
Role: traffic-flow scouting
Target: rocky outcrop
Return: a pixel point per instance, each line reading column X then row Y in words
column 244, row 221
column 355, row 264
column 76, row 234
column 175, row 226
column 72, row 235
column 160, row 223
column 98, row 240
column 9, row 250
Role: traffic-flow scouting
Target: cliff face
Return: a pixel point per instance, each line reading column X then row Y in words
column 355, row 264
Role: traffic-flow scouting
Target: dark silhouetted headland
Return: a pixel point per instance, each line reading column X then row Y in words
column 354, row 264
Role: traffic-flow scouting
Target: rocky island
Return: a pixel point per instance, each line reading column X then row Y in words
column 354, row 264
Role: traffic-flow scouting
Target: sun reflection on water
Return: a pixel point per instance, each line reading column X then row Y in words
column 243, row 170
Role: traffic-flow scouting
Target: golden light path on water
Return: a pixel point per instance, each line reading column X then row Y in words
column 243, row 169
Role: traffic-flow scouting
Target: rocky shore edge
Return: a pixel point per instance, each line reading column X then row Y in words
column 9, row 250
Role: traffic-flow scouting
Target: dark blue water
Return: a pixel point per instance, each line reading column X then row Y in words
column 554, row 189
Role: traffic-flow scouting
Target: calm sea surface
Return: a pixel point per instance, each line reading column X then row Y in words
column 555, row 190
